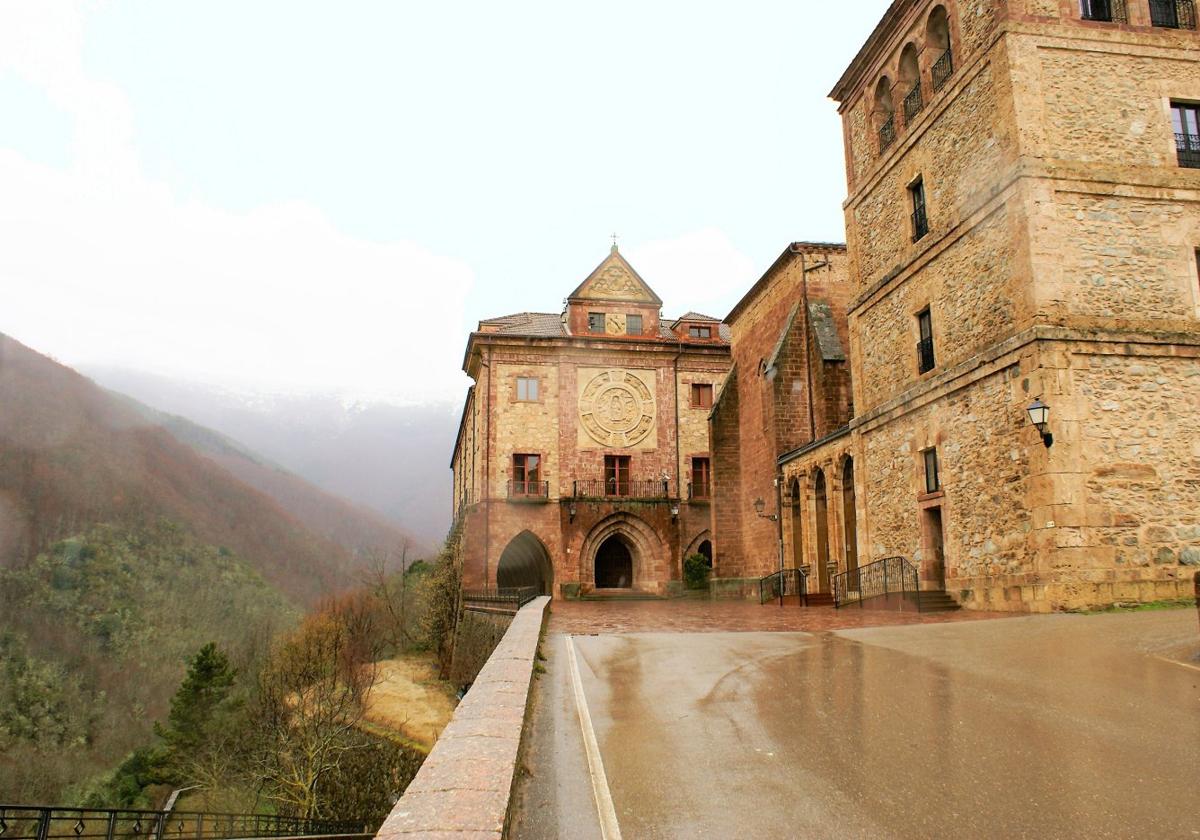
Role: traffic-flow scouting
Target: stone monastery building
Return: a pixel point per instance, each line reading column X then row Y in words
column 582, row 459
column 1023, row 226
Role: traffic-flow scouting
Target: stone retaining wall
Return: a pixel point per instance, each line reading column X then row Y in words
column 478, row 634
column 464, row 786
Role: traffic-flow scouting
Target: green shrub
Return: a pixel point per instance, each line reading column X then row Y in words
column 696, row 570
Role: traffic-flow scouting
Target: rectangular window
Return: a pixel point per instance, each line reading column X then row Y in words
column 596, row 322
column 633, row 324
column 527, row 475
column 1109, row 11
column 925, row 360
column 1185, row 119
column 616, row 475
column 527, row 389
column 1173, row 14
column 700, row 332
column 701, row 478
column 920, row 221
column 933, row 481
column 702, row 395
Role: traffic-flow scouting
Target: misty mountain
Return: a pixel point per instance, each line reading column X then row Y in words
column 391, row 458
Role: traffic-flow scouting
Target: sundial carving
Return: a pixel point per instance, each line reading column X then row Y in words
column 616, row 409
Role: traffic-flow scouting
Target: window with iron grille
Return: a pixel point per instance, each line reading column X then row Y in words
column 925, row 360
column 596, row 322
column 527, row 389
column 1109, row 11
column 702, row 395
column 616, row 475
column 920, row 221
column 633, row 324
column 526, row 474
column 933, row 481
column 1173, row 14
column 701, row 478
column 1185, row 119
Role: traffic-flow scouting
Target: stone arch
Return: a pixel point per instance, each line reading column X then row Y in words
column 638, row 537
column 884, row 105
column 821, row 512
column 701, row 544
column 910, row 68
column 525, row 561
column 937, row 31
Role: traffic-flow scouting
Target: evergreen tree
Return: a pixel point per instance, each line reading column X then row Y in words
column 202, row 696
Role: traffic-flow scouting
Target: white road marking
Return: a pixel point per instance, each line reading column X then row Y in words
column 609, row 829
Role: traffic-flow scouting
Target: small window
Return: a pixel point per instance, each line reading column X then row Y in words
column 925, row 359
column 702, row 395
column 616, row 475
column 527, row 389
column 526, row 475
column 633, row 324
column 1185, row 119
column 1109, row 11
column 700, row 332
column 701, row 478
column 596, row 322
column 933, row 481
column 920, row 221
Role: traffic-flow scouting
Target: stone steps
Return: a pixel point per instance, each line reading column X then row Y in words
column 938, row 600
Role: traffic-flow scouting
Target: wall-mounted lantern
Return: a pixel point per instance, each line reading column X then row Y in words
column 571, row 511
column 674, row 509
column 759, row 504
column 1039, row 416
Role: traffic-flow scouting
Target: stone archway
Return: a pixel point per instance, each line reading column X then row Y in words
column 614, row 564
column 603, row 561
column 525, row 562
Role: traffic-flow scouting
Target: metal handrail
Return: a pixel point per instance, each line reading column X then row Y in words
column 785, row 582
column 599, row 488
column 50, row 822
column 529, row 490
column 881, row 577
column 507, row 596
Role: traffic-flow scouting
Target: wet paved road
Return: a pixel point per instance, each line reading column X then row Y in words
column 1045, row 726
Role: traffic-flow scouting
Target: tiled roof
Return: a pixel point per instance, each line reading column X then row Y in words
column 695, row 316
column 525, row 323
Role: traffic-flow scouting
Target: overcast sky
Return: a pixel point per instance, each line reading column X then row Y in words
column 327, row 196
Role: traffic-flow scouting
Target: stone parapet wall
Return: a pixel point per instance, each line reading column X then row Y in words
column 464, row 787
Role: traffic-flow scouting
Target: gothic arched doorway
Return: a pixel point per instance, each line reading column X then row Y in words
column 614, row 564
column 822, row 505
column 705, row 549
column 850, row 516
column 797, row 525
column 525, row 562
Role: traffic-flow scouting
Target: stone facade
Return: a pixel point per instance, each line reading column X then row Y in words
column 576, row 390
column 1056, row 259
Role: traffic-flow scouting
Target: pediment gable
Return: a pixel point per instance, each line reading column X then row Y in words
column 615, row 280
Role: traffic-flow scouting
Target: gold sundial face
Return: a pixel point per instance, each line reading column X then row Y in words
column 616, row 409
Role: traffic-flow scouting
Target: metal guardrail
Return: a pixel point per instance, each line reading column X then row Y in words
column 913, row 103
column 887, row 132
column 510, row 597
column 1188, row 148
column 784, row 583
column 599, row 488
column 44, row 822
column 531, row 491
column 942, row 70
column 882, row 577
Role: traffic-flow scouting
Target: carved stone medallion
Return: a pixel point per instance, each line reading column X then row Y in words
column 616, row 409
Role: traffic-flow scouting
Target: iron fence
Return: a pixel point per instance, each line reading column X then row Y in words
column 913, row 103
column 887, row 132
column 891, row 575
column 513, row 597
column 782, row 584
column 599, row 488
column 942, row 70
column 35, row 822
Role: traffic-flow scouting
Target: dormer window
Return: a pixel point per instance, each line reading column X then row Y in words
column 595, row 322
column 704, row 333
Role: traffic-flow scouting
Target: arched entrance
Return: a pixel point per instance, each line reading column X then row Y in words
column 797, row 525
column 614, row 564
column 525, row 562
column 822, row 506
column 850, row 517
column 705, row 549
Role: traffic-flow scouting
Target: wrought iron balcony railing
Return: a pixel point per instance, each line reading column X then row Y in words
column 1173, row 14
column 599, row 488
column 913, row 103
column 920, row 223
column 28, row 822
column 529, row 491
column 942, row 70
column 1107, row 11
column 699, row 490
column 925, row 360
column 887, row 132
column 1187, row 146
